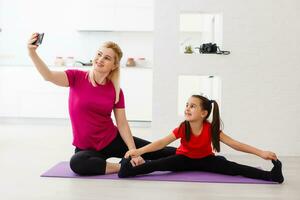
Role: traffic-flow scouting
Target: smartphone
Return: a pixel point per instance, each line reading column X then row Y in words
column 39, row 39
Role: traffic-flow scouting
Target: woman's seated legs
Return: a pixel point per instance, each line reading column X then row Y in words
column 88, row 162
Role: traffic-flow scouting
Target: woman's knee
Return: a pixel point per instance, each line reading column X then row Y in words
column 84, row 164
column 77, row 161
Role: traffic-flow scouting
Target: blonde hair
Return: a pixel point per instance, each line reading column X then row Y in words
column 114, row 75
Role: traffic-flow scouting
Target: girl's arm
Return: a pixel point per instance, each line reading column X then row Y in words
column 154, row 146
column 268, row 155
column 57, row 77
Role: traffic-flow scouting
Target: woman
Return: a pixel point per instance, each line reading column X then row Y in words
column 93, row 96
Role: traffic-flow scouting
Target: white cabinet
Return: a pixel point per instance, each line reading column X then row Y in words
column 9, row 92
column 134, row 15
column 95, row 15
column 115, row 15
column 23, row 93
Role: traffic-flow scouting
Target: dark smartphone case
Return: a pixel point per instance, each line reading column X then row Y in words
column 39, row 39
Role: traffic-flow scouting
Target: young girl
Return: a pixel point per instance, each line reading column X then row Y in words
column 198, row 140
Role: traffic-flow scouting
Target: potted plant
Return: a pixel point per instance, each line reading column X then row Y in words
column 188, row 49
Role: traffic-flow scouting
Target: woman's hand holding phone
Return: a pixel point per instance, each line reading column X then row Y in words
column 34, row 41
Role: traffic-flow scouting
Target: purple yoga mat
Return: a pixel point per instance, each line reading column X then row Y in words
column 63, row 170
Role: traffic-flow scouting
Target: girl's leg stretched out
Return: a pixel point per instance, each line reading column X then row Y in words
column 216, row 164
column 222, row 166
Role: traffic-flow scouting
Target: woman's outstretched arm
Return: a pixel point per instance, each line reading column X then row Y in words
column 57, row 77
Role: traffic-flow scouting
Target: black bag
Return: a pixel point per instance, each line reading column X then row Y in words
column 211, row 48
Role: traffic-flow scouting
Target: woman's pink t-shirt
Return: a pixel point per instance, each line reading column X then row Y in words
column 90, row 111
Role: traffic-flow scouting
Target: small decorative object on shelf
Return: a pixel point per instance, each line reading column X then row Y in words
column 188, row 49
column 69, row 62
column 141, row 62
column 81, row 64
column 130, row 62
column 211, row 48
column 59, row 61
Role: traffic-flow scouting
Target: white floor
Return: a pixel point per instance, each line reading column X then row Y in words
column 29, row 147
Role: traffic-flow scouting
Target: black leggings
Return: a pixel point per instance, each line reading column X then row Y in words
column 216, row 164
column 92, row 162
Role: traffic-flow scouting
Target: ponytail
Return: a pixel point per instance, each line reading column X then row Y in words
column 215, row 126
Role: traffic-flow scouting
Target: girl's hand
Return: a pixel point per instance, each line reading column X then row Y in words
column 133, row 153
column 135, row 161
column 30, row 46
column 268, row 155
column 136, row 158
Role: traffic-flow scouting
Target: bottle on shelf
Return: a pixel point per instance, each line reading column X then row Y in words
column 70, row 61
column 130, row 62
column 141, row 62
column 59, row 61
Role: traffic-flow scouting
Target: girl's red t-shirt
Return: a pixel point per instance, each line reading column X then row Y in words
column 198, row 146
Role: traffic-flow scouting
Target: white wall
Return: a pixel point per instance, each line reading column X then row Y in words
column 260, row 83
column 59, row 20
